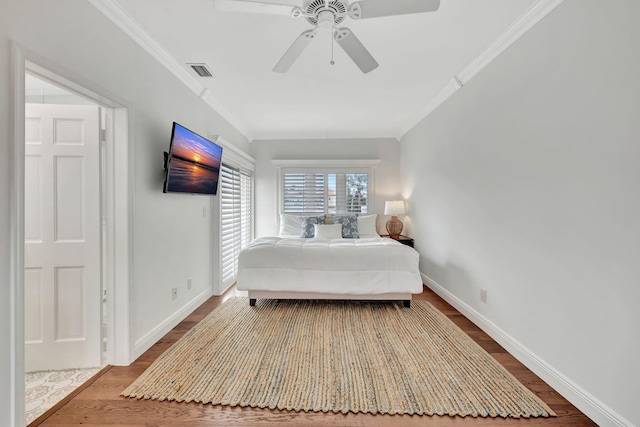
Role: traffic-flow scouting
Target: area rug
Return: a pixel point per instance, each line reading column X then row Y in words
column 336, row 356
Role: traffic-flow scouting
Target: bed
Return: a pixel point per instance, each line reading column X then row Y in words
column 329, row 266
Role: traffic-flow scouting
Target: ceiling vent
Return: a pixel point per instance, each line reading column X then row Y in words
column 201, row 69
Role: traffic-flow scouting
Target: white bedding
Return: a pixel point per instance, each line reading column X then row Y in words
column 366, row 266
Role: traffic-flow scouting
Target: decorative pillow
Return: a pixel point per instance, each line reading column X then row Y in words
column 367, row 226
column 289, row 225
column 327, row 231
column 349, row 225
column 306, row 225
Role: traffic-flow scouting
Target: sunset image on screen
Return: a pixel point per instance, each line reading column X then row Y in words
column 195, row 163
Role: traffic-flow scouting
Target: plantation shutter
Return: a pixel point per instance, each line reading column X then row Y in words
column 317, row 191
column 303, row 193
column 340, row 192
column 349, row 190
column 246, row 197
column 235, row 216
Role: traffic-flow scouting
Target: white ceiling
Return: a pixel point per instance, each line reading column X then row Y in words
column 419, row 55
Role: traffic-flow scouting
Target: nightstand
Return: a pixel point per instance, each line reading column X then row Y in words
column 402, row 239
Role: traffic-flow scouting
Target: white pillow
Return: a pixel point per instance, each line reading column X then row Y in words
column 367, row 226
column 289, row 225
column 327, row 231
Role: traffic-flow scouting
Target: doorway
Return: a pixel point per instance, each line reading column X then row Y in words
column 115, row 217
column 64, row 315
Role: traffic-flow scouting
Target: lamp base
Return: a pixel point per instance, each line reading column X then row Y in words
column 394, row 227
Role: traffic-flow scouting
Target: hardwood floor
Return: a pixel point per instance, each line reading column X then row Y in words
column 100, row 402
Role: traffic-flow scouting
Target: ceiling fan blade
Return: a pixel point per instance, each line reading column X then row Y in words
column 294, row 51
column 252, row 7
column 356, row 50
column 376, row 8
column 290, row 3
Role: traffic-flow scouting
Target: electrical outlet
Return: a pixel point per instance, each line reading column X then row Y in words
column 188, row 283
column 174, row 293
column 483, row 295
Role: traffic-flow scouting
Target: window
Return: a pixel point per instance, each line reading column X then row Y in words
column 347, row 193
column 303, row 192
column 235, row 215
column 328, row 192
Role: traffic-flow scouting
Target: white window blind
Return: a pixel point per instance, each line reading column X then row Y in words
column 324, row 192
column 303, row 192
column 235, row 213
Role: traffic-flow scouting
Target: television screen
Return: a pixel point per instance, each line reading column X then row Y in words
column 193, row 164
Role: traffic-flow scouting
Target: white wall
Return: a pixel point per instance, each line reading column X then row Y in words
column 526, row 183
column 387, row 172
column 171, row 240
column 6, row 326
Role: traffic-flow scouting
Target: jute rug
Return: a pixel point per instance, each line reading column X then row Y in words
column 336, row 356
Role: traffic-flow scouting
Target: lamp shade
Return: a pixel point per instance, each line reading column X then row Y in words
column 395, row 207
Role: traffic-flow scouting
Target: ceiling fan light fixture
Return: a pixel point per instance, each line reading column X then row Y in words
column 326, row 19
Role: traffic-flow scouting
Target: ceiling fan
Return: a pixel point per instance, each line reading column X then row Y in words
column 330, row 14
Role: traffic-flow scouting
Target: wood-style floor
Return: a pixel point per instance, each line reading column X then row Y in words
column 100, row 403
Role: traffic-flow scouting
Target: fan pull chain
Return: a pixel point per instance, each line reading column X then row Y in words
column 333, row 32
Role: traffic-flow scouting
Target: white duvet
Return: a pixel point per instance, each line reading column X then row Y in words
column 366, row 266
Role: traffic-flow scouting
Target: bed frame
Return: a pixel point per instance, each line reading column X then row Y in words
column 254, row 295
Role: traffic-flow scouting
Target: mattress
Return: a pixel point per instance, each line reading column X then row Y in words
column 366, row 266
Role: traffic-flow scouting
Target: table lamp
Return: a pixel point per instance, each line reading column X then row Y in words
column 394, row 225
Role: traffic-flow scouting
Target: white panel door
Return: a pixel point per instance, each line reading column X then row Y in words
column 62, row 237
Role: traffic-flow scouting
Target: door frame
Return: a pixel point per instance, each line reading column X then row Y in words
column 116, row 214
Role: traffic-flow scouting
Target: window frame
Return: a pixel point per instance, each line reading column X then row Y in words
column 366, row 166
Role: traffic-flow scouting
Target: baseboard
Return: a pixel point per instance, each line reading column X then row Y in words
column 150, row 338
column 580, row 398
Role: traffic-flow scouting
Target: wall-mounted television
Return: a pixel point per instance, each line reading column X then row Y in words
column 192, row 164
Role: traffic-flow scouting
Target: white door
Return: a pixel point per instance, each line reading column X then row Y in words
column 62, row 237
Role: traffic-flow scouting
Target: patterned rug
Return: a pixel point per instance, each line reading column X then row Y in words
column 336, row 356
column 43, row 389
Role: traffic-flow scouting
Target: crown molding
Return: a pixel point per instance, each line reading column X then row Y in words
column 235, row 156
column 127, row 23
column 306, row 163
column 322, row 135
column 517, row 29
column 449, row 89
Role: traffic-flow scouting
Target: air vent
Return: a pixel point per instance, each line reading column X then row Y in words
column 201, row 69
